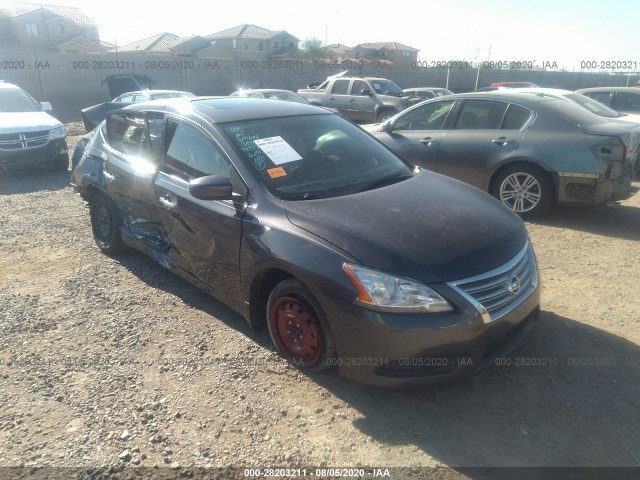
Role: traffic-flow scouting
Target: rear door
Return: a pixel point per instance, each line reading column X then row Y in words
column 203, row 235
column 483, row 134
column 129, row 170
column 417, row 133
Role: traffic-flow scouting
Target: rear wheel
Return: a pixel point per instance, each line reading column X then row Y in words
column 525, row 189
column 384, row 116
column 298, row 328
column 105, row 223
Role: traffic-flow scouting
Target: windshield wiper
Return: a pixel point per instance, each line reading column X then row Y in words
column 382, row 182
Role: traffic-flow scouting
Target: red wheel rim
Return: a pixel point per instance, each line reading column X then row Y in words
column 296, row 330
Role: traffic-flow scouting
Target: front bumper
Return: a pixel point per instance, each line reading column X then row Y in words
column 45, row 155
column 415, row 350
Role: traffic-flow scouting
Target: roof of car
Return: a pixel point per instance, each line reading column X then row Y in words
column 420, row 89
column 508, row 94
column 263, row 90
column 610, row 89
column 228, row 109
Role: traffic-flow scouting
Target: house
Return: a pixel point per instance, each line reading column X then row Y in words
column 170, row 44
column 337, row 52
column 53, row 28
column 250, row 42
column 389, row 53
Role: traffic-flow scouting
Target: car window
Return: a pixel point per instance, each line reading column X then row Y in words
column 425, row 94
column 428, row 116
column 340, row 87
column 125, row 99
column 480, row 114
column 17, row 100
column 628, row 102
column 140, row 98
column 602, row 97
column 358, row 86
column 516, row 118
column 127, row 134
column 189, row 154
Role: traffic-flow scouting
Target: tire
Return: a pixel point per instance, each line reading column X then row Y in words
column 105, row 223
column 298, row 328
column 525, row 189
column 61, row 163
column 384, row 116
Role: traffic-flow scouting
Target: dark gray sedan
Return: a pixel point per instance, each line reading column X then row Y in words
column 298, row 219
column 530, row 150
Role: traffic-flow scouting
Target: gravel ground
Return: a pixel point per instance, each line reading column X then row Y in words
column 113, row 362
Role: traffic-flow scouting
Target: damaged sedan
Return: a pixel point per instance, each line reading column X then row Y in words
column 529, row 148
column 298, row 219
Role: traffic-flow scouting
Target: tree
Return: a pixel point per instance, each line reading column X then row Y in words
column 312, row 49
column 8, row 30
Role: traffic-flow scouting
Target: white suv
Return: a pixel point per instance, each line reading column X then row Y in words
column 28, row 134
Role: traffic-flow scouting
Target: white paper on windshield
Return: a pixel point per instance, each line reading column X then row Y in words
column 376, row 86
column 277, row 150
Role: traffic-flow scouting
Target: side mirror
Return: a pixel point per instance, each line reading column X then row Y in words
column 46, row 106
column 367, row 92
column 211, row 187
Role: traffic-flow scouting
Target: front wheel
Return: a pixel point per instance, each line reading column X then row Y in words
column 384, row 116
column 525, row 189
column 298, row 328
column 105, row 223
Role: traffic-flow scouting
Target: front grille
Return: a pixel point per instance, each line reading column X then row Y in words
column 499, row 291
column 23, row 141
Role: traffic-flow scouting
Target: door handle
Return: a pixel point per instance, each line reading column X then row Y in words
column 352, row 100
column 331, row 99
column 110, row 177
column 502, row 141
column 428, row 141
column 166, row 202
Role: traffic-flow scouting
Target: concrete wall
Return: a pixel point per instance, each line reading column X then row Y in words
column 72, row 82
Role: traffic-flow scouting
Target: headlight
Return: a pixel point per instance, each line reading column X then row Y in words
column 381, row 291
column 58, row 132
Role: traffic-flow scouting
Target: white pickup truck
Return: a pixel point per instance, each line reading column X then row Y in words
column 362, row 99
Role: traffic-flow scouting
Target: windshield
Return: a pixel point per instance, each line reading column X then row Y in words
column 15, row 100
column 314, row 156
column 593, row 106
column 158, row 96
column 386, row 87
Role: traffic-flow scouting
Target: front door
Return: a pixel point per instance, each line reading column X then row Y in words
column 203, row 235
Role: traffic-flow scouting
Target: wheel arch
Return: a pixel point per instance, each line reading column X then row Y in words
column 489, row 186
column 261, row 286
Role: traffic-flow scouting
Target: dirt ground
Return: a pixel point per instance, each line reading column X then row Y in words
column 114, row 362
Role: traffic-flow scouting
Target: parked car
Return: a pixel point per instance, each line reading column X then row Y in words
column 529, row 150
column 92, row 116
column 620, row 99
column 592, row 105
column 367, row 99
column 29, row 136
column 514, row 85
column 299, row 219
column 427, row 92
column 506, row 85
column 271, row 93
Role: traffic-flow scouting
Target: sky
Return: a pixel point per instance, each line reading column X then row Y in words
column 567, row 32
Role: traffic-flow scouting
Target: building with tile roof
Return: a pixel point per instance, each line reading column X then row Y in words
column 251, row 42
column 53, row 28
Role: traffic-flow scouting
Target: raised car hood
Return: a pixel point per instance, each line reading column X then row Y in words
column 430, row 228
column 12, row 122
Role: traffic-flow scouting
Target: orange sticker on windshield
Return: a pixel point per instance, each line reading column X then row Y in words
column 277, row 172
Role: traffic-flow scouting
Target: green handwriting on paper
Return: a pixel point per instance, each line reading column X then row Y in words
column 246, row 143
